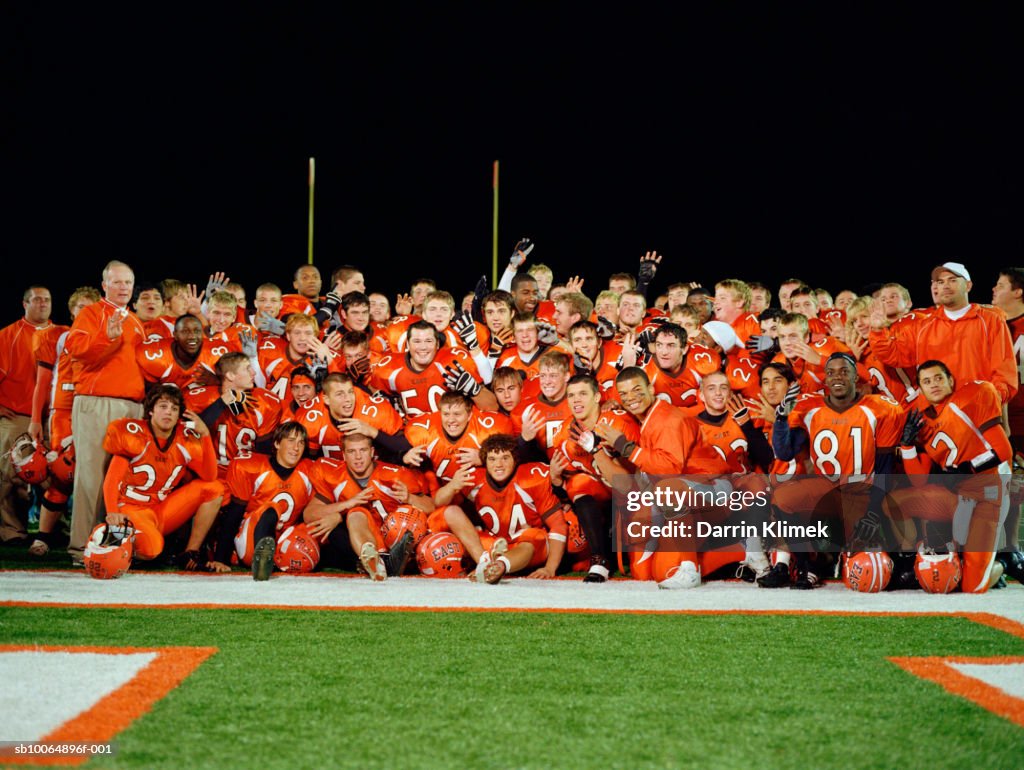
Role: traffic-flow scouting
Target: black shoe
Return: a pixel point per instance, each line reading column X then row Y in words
column 777, row 577
column 805, row 581
column 263, row 558
column 398, row 556
column 1001, row 583
column 1013, row 564
column 598, row 570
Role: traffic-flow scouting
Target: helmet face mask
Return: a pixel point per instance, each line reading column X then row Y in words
column 108, row 554
column 938, row 573
column 28, row 457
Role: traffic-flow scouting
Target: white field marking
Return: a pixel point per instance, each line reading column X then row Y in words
column 1008, row 677
column 43, row 690
column 166, row 589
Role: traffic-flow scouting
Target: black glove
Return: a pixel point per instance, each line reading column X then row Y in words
column 520, row 252
column 466, row 329
column 317, row 369
column 605, row 328
column 789, row 400
column 332, row 301
column 458, row 380
column 645, row 339
column 648, row 267
column 913, row 425
column 581, row 364
column 868, row 528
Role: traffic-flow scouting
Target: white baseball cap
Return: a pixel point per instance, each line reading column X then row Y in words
column 955, row 268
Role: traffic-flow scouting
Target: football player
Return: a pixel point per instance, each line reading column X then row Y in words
column 238, row 413
column 523, row 525
column 452, row 436
column 962, row 437
column 184, row 360
column 55, row 388
column 804, row 357
column 583, row 466
column 149, row 307
column 540, row 417
column 146, row 482
column 732, row 306
column 343, row 409
column 851, row 437
column 306, row 300
column 268, row 495
column 278, row 357
column 594, row 356
column 526, row 353
column 508, row 388
column 424, row 373
column 362, row 493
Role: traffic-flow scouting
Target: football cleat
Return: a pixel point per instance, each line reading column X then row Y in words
column 938, row 573
column 398, row 555
column 263, row 558
column 805, row 580
column 777, row 577
column 297, row 551
column 686, row 576
column 487, row 568
column 108, row 552
column 867, row 571
column 758, row 563
column 28, row 457
column 370, row 558
column 598, row 572
column 1013, row 564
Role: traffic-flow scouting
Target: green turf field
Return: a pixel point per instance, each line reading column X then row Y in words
column 292, row 689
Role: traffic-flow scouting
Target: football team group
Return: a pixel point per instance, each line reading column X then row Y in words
column 483, row 435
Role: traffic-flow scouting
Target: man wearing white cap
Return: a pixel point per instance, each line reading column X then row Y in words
column 973, row 340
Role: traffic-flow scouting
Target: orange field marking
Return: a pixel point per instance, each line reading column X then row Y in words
column 940, row 671
column 113, row 713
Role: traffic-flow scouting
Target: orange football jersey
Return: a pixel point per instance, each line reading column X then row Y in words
column 966, row 427
column 333, row 483
column 278, row 366
column 845, row 443
column 324, row 436
column 156, row 468
column 442, row 450
column 581, row 461
column 237, row 434
column 158, row 364
column 253, row 480
column 1016, row 405
column 555, row 414
column 525, row 501
column 419, row 391
column 721, row 448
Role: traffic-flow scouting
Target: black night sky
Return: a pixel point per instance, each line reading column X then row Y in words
column 841, row 146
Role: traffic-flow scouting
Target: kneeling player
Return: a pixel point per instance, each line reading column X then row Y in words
column 523, row 526
column 145, row 482
column 268, row 495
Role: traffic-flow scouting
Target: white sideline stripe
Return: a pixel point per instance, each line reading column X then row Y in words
column 328, row 591
column 43, row 690
column 1008, row 677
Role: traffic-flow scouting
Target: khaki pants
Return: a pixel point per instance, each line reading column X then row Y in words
column 90, row 416
column 11, row 525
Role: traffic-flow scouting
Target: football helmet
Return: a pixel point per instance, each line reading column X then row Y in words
column 440, row 556
column 62, row 464
column 28, row 457
column 297, row 550
column 108, row 553
column 938, row 573
column 867, row 571
column 404, row 519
